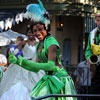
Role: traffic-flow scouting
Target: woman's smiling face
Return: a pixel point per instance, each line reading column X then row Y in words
column 39, row 31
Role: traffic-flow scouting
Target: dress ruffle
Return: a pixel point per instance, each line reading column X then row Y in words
column 16, row 76
column 60, row 83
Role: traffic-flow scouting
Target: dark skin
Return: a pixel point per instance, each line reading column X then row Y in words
column 40, row 32
column 52, row 50
column 31, row 40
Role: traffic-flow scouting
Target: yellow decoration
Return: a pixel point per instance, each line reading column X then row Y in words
column 95, row 49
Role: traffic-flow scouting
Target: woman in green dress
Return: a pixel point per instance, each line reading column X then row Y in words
column 56, row 80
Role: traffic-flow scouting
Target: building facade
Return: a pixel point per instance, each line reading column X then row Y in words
column 71, row 23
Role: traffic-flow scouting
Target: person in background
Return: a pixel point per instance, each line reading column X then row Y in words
column 83, row 78
column 17, row 49
column 56, row 80
column 93, row 48
column 29, row 48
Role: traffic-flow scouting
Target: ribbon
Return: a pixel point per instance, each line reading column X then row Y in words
column 52, row 82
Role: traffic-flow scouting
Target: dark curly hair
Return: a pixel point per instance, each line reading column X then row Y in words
column 47, row 29
column 28, row 28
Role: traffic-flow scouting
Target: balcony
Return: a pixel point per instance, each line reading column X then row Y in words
column 75, row 7
column 48, row 1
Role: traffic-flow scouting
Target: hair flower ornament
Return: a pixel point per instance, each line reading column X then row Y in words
column 37, row 13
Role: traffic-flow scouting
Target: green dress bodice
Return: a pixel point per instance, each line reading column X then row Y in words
column 43, row 52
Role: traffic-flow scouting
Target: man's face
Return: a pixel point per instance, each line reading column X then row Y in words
column 98, row 21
